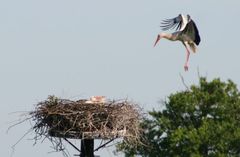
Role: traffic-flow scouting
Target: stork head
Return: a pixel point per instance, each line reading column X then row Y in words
column 158, row 38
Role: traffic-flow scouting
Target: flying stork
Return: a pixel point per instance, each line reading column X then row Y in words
column 186, row 32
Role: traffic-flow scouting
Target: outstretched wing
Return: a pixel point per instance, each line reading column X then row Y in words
column 176, row 22
column 191, row 31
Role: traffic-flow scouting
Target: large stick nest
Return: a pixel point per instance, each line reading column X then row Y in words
column 64, row 118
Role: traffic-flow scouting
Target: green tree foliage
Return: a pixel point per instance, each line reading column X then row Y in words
column 199, row 122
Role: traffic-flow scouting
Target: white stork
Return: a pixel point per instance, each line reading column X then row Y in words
column 186, row 32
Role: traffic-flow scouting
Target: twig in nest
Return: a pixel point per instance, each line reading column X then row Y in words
column 13, row 146
column 17, row 123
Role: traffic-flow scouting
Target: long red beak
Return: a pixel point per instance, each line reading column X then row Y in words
column 158, row 38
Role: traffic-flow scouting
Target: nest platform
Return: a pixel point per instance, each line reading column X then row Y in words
column 64, row 118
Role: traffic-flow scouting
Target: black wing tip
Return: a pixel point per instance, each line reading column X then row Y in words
column 197, row 36
column 197, row 39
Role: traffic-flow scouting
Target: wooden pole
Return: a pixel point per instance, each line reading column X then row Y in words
column 87, row 148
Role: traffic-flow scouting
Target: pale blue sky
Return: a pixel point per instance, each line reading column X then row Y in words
column 76, row 49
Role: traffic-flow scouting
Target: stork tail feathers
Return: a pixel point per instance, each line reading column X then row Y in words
column 193, row 47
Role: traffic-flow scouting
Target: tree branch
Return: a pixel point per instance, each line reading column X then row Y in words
column 185, row 85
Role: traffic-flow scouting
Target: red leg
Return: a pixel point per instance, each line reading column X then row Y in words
column 187, row 58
